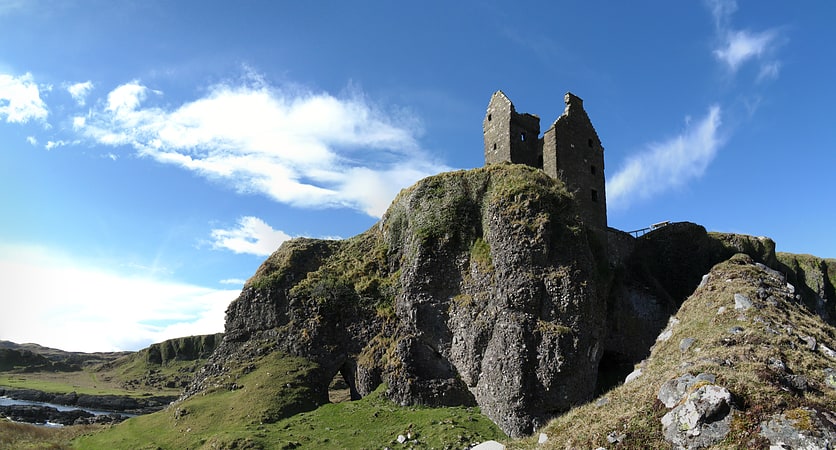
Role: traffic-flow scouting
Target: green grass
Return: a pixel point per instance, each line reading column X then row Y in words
column 84, row 384
column 270, row 409
column 25, row 436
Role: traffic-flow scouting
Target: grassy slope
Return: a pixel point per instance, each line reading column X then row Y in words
column 264, row 412
column 22, row 436
column 132, row 374
column 632, row 409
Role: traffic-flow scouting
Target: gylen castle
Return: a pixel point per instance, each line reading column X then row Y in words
column 569, row 150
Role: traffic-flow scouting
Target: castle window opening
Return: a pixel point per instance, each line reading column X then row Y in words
column 489, row 117
column 594, row 195
column 494, row 145
column 592, row 170
column 589, row 142
column 522, row 137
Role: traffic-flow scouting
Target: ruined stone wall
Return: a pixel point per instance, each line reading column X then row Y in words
column 510, row 136
column 573, row 153
column 569, row 150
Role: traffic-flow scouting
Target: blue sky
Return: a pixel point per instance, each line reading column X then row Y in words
column 153, row 153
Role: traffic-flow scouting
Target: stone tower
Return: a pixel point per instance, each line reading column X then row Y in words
column 510, row 136
column 569, row 150
column 573, row 153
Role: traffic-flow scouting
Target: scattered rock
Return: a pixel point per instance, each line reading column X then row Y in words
column 703, row 419
column 809, row 342
column 827, row 351
column 703, row 281
column 742, row 302
column 668, row 331
column 401, row 439
column 633, row 375
column 614, row 437
column 673, row 391
column 772, row 272
column 604, row 401
column 776, row 364
column 795, row 383
column 489, row 445
column 830, row 377
column 736, row 330
column 542, row 438
column 800, row 428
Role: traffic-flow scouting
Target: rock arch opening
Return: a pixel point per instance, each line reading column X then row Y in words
column 343, row 386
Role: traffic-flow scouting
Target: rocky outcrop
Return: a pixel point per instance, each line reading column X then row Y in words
column 814, row 279
column 484, row 288
column 476, row 288
column 188, row 348
column 115, row 403
column 38, row 414
column 653, row 275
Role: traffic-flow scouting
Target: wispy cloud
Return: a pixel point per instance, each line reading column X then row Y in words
column 301, row 148
column 236, row 281
column 668, row 164
column 252, row 236
column 59, row 143
column 741, row 46
column 53, row 300
column 721, row 11
column 20, row 99
column 737, row 47
column 769, row 71
column 79, row 91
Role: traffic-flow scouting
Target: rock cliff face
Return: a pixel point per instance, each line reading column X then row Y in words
column 482, row 287
column 475, row 288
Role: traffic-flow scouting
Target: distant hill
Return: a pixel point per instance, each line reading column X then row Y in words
column 60, row 356
column 165, row 366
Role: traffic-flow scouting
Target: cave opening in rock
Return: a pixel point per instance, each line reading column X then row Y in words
column 342, row 387
column 612, row 369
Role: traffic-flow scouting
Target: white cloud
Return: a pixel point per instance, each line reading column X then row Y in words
column 300, row 148
column 52, row 300
column 79, row 91
column 237, row 281
column 668, row 164
column 20, row 99
column 252, row 236
column 32, row 140
column 59, row 143
column 741, row 46
column 737, row 47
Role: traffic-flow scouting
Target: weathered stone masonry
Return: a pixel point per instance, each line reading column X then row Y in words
column 569, row 150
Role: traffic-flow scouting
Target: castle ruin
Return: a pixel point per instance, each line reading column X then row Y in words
column 569, row 151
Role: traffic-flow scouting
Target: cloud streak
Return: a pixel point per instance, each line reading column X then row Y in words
column 300, row 148
column 667, row 165
column 55, row 301
column 20, row 99
column 252, row 236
